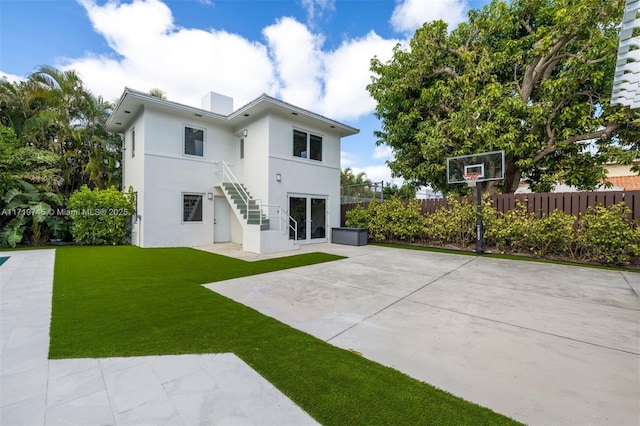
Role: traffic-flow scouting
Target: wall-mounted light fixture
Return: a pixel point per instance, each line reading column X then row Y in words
column 245, row 133
column 278, row 177
column 209, row 196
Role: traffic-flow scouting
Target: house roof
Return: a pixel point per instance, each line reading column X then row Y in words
column 629, row 183
column 133, row 101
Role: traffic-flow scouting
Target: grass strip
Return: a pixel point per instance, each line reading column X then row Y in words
column 127, row 301
column 505, row 256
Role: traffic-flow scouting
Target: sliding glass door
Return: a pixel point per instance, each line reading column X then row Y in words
column 310, row 215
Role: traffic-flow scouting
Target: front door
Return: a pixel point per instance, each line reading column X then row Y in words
column 220, row 220
column 310, row 215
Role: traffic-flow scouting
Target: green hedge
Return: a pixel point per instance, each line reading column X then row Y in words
column 101, row 217
column 602, row 235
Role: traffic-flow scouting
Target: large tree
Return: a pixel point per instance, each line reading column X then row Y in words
column 530, row 77
column 52, row 110
column 52, row 141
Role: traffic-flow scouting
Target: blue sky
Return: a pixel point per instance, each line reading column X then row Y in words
column 312, row 53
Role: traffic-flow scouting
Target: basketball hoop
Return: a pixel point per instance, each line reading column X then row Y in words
column 471, row 178
column 471, row 169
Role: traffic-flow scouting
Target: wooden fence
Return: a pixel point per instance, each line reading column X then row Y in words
column 540, row 203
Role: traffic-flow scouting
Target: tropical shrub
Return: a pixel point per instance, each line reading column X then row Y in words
column 510, row 231
column 101, row 217
column 553, row 234
column 407, row 222
column 358, row 217
column 604, row 235
column 26, row 213
column 389, row 220
column 452, row 224
column 607, row 235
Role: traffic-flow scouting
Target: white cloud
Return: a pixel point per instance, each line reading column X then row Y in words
column 12, row 78
column 409, row 15
column 317, row 9
column 347, row 159
column 347, row 75
column 149, row 51
column 298, row 58
column 130, row 28
column 382, row 152
column 377, row 172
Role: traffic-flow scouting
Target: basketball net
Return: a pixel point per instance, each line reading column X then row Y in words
column 471, row 178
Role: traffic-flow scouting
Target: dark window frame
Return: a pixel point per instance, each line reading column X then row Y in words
column 307, row 145
column 192, row 216
column 195, row 150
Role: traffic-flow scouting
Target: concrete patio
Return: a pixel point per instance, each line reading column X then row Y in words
column 542, row 343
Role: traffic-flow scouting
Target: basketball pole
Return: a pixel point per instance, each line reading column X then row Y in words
column 479, row 227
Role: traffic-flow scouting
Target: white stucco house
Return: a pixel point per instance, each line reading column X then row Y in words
column 266, row 175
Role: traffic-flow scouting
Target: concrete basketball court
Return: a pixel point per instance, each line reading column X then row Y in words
column 541, row 343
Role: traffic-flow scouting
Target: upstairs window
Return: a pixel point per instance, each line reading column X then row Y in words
column 193, row 141
column 307, row 145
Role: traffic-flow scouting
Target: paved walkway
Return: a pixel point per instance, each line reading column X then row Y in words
column 157, row 390
column 544, row 344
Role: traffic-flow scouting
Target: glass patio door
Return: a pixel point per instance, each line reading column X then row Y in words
column 298, row 212
column 310, row 215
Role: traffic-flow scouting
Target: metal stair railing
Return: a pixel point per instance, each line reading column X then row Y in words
column 229, row 177
column 293, row 227
column 284, row 218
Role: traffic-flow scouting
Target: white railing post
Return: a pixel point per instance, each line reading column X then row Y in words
column 228, row 176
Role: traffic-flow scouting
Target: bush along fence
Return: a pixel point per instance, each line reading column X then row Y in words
column 541, row 204
column 602, row 234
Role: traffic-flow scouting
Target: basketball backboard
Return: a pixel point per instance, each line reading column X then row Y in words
column 482, row 167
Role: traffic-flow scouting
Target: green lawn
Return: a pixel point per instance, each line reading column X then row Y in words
column 125, row 301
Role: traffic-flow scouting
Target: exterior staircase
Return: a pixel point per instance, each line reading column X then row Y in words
column 259, row 235
column 248, row 208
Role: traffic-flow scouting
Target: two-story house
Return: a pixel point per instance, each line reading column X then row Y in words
column 266, row 175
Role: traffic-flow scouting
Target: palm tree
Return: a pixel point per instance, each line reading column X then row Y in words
column 355, row 188
column 72, row 122
column 348, row 178
column 157, row 93
column 58, row 143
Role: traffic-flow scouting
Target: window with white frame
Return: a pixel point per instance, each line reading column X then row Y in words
column 307, row 145
column 192, row 207
column 193, row 141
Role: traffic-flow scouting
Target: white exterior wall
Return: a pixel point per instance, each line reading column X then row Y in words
column 160, row 173
column 301, row 175
column 133, row 172
column 168, row 174
column 255, row 167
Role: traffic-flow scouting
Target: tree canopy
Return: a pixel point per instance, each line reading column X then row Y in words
column 52, row 114
column 405, row 192
column 52, row 142
column 530, row 77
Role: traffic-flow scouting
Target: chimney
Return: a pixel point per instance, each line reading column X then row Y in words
column 217, row 103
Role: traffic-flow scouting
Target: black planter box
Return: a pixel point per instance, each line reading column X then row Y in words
column 350, row 236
